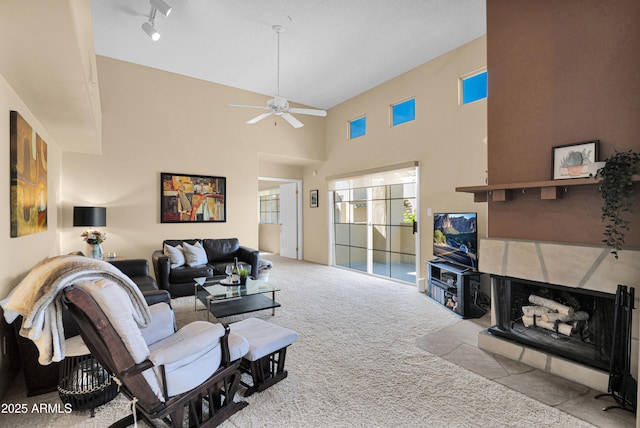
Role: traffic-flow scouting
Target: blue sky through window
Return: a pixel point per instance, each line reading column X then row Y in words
column 358, row 127
column 404, row 112
column 474, row 88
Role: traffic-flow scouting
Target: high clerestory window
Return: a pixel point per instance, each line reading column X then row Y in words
column 474, row 87
column 403, row 112
column 357, row 127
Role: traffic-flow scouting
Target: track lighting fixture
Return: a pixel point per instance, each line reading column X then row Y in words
column 156, row 6
column 161, row 6
column 151, row 30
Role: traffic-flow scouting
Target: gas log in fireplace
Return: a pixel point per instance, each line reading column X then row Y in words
column 573, row 323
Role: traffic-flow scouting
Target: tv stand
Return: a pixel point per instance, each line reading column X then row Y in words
column 455, row 287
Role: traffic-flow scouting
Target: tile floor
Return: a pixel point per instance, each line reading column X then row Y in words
column 458, row 344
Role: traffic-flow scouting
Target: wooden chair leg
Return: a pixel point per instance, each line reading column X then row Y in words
column 267, row 371
column 177, row 417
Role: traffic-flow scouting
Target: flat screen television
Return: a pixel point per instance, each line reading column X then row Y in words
column 455, row 238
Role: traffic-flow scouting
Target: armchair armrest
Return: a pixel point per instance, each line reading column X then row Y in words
column 251, row 256
column 157, row 296
column 161, row 267
column 132, row 267
column 137, row 369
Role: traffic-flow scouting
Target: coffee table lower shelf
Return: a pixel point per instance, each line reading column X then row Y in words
column 240, row 305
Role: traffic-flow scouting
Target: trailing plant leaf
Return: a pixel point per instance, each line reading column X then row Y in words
column 616, row 189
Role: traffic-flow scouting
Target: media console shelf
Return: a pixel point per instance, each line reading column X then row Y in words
column 455, row 288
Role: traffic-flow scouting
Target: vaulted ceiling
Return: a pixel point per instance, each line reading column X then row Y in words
column 330, row 50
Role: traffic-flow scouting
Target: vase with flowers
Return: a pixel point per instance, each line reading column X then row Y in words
column 94, row 240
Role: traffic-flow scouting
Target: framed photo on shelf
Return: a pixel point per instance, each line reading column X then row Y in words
column 313, row 198
column 188, row 198
column 574, row 160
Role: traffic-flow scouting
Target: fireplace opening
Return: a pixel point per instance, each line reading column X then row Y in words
column 573, row 323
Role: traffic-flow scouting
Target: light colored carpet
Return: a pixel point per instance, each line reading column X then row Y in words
column 356, row 363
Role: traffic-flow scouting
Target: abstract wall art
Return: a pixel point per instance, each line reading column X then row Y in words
column 192, row 198
column 28, row 157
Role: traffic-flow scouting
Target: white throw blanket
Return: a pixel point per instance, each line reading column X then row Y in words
column 38, row 298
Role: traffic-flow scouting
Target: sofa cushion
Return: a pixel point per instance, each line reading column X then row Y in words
column 175, row 254
column 186, row 273
column 195, row 255
column 221, row 250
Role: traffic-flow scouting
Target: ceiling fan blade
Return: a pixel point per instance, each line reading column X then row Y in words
column 312, row 112
column 292, row 120
column 247, row 106
column 259, row 118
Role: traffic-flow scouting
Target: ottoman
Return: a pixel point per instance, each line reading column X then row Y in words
column 267, row 350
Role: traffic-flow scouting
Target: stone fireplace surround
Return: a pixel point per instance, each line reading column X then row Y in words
column 578, row 266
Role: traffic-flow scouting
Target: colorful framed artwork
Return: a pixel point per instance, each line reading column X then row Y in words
column 573, row 160
column 313, row 198
column 192, row 198
column 28, row 171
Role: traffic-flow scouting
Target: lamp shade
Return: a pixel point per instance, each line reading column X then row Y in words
column 89, row 216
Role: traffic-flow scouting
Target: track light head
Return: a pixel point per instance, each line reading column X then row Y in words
column 161, row 6
column 151, row 31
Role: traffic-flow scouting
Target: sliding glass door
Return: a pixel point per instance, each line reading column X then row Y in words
column 374, row 229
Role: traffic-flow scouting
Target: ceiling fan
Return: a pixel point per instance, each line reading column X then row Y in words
column 278, row 105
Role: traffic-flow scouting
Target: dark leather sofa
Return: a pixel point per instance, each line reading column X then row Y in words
column 220, row 252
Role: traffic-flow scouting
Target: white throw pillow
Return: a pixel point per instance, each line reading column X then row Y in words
column 175, row 254
column 194, row 254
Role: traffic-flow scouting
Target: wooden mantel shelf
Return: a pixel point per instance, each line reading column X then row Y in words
column 549, row 190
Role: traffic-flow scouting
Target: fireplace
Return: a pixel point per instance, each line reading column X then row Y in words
column 564, row 321
column 588, row 274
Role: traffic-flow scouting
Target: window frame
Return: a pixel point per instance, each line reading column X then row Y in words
column 270, row 198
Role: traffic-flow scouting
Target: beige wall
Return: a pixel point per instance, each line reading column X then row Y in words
column 447, row 139
column 269, row 238
column 20, row 254
column 155, row 122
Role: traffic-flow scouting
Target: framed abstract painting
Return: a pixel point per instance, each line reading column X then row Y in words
column 188, row 198
column 28, row 171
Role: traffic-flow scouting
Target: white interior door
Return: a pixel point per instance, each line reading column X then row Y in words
column 289, row 220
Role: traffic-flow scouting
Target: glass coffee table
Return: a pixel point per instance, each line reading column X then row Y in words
column 226, row 300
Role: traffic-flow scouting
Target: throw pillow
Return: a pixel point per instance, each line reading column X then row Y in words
column 195, row 254
column 175, row 254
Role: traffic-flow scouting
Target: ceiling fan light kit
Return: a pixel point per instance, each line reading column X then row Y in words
column 278, row 105
column 149, row 26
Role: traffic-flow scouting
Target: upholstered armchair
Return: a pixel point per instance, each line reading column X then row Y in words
column 165, row 371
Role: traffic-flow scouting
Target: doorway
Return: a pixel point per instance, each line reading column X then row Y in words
column 280, row 227
column 374, row 223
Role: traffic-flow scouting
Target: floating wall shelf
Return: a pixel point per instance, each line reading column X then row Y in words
column 549, row 190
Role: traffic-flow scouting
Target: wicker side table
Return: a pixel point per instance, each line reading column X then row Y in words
column 83, row 382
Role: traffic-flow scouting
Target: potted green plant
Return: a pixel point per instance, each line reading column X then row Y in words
column 410, row 217
column 244, row 272
column 617, row 193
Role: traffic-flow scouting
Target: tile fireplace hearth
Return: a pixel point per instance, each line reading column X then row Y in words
column 589, row 275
